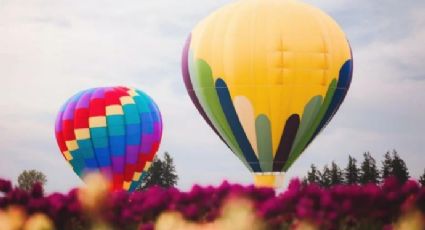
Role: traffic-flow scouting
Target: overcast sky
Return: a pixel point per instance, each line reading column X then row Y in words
column 50, row 49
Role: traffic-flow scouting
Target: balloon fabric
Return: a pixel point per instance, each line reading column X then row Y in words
column 267, row 76
column 115, row 131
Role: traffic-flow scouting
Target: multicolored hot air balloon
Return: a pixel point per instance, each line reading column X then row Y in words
column 112, row 130
column 267, row 76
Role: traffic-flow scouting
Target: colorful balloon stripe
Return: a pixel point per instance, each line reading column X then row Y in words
column 295, row 136
column 207, row 94
column 333, row 99
column 235, row 125
column 344, row 81
column 286, row 142
column 264, row 142
column 112, row 130
column 188, row 84
column 267, row 76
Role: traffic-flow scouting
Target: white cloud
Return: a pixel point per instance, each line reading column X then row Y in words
column 52, row 49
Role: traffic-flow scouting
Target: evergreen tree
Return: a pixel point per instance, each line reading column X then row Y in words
column 305, row 181
column 387, row 165
column 313, row 176
column 154, row 174
column 369, row 172
column 351, row 172
column 161, row 173
column 169, row 173
column 325, row 177
column 27, row 179
column 336, row 174
column 422, row 179
column 399, row 168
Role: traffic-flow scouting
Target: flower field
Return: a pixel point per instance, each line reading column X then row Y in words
column 301, row 206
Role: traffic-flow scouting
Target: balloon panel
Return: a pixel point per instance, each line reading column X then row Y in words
column 267, row 76
column 113, row 130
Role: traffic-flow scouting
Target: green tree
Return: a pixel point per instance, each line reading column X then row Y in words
column 313, row 176
column 369, row 172
column 399, row 168
column 387, row 165
column 169, row 173
column 28, row 178
column 161, row 173
column 336, row 174
column 325, row 178
column 422, row 179
column 351, row 172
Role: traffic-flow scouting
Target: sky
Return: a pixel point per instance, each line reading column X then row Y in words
column 51, row 49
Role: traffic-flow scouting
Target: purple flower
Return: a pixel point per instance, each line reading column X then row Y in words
column 270, row 208
column 326, row 200
column 37, row 190
column 305, row 208
column 346, row 206
column 420, row 199
column 74, row 208
column 5, row 186
column 149, row 226
column 328, row 208
column 56, row 203
column 38, row 205
column 410, row 187
column 212, row 215
column 294, row 185
column 390, row 184
column 18, row 196
column 191, row 212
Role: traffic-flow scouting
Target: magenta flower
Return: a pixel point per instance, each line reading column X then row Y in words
column 37, row 190
column 5, row 186
column 329, row 208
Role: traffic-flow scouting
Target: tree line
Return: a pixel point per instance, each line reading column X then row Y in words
column 366, row 172
column 161, row 173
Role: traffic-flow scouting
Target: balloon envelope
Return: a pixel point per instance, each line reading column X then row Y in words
column 267, row 76
column 112, row 130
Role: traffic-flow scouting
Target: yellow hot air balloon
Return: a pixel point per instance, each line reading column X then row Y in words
column 267, row 76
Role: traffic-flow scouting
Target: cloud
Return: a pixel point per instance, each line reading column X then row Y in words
column 52, row 49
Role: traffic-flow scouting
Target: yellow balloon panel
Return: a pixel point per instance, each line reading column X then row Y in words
column 268, row 61
column 267, row 42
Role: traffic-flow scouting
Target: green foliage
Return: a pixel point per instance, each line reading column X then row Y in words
column 369, row 171
column 392, row 165
column 161, row 173
column 422, row 179
column 27, row 179
column 386, row 165
column 399, row 168
column 325, row 178
column 154, row 174
column 336, row 174
column 351, row 172
column 169, row 173
column 313, row 176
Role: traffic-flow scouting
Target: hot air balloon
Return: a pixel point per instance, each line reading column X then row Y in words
column 115, row 131
column 267, row 76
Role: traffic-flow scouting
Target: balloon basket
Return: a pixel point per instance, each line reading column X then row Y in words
column 269, row 180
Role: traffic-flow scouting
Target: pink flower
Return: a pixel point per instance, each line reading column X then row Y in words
column 5, row 186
